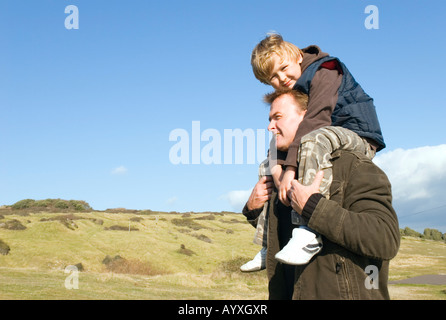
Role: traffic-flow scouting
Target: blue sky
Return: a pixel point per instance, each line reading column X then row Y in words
column 87, row 113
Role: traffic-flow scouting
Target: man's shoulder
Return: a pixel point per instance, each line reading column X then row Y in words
column 351, row 155
column 347, row 163
column 350, row 159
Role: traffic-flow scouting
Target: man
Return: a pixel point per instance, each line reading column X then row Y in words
column 358, row 225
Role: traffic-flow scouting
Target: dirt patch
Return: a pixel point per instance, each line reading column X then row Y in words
column 188, row 223
column 435, row 279
column 208, row 217
column 203, row 237
column 121, row 228
column 233, row 220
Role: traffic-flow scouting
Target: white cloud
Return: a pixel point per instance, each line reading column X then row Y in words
column 418, row 178
column 237, row 198
column 172, row 200
column 119, row 170
column 415, row 173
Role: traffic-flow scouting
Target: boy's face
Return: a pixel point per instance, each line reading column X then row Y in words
column 284, row 119
column 285, row 72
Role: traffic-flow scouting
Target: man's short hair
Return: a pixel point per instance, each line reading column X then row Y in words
column 261, row 62
column 299, row 97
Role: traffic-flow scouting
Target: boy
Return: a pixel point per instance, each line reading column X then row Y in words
column 335, row 99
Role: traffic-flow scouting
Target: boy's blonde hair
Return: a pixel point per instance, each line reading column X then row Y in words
column 261, row 55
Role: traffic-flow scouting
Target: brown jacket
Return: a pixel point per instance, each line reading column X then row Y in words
column 359, row 230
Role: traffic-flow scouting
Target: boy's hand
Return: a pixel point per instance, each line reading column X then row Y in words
column 261, row 193
column 285, row 185
column 276, row 173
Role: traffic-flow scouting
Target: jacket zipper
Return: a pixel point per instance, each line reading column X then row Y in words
column 344, row 269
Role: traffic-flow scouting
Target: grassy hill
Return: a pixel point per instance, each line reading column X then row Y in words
column 129, row 255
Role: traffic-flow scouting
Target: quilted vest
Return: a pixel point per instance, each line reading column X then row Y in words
column 354, row 109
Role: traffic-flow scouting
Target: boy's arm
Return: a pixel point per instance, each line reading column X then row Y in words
column 322, row 101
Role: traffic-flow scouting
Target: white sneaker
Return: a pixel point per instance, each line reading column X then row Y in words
column 302, row 246
column 256, row 264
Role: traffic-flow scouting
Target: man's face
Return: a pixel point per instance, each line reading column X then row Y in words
column 284, row 119
column 285, row 72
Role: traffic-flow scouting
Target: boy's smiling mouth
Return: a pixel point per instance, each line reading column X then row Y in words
column 288, row 84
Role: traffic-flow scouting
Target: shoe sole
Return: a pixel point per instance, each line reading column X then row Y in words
column 312, row 249
column 252, row 270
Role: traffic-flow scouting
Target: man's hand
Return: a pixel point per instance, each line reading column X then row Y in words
column 261, row 193
column 299, row 194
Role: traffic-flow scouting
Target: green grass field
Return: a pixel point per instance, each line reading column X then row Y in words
column 160, row 256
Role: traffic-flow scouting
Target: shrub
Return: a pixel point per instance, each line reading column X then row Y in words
column 53, row 205
column 121, row 228
column 80, row 205
column 433, row 234
column 233, row 265
column 119, row 264
column 409, row 232
column 43, row 203
column 13, row 225
column 184, row 250
column 208, row 217
column 203, row 237
column 61, row 204
column 23, row 204
column 187, row 222
column 4, row 248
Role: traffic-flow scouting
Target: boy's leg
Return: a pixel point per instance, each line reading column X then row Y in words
column 259, row 261
column 315, row 155
column 316, row 149
column 262, row 224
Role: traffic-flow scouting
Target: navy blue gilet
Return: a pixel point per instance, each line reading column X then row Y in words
column 354, row 109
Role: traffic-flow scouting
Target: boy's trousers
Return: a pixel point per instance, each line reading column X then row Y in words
column 314, row 155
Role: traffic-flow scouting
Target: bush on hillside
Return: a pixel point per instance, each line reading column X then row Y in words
column 23, row 204
column 433, row 234
column 12, row 225
column 184, row 250
column 410, row 232
column 51, row 205
column 119, row 264
column 121, row 228
column 4, row 248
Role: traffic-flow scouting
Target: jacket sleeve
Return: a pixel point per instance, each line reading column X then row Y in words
column 321, row 103
column 366, row 224
column 252, row 215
